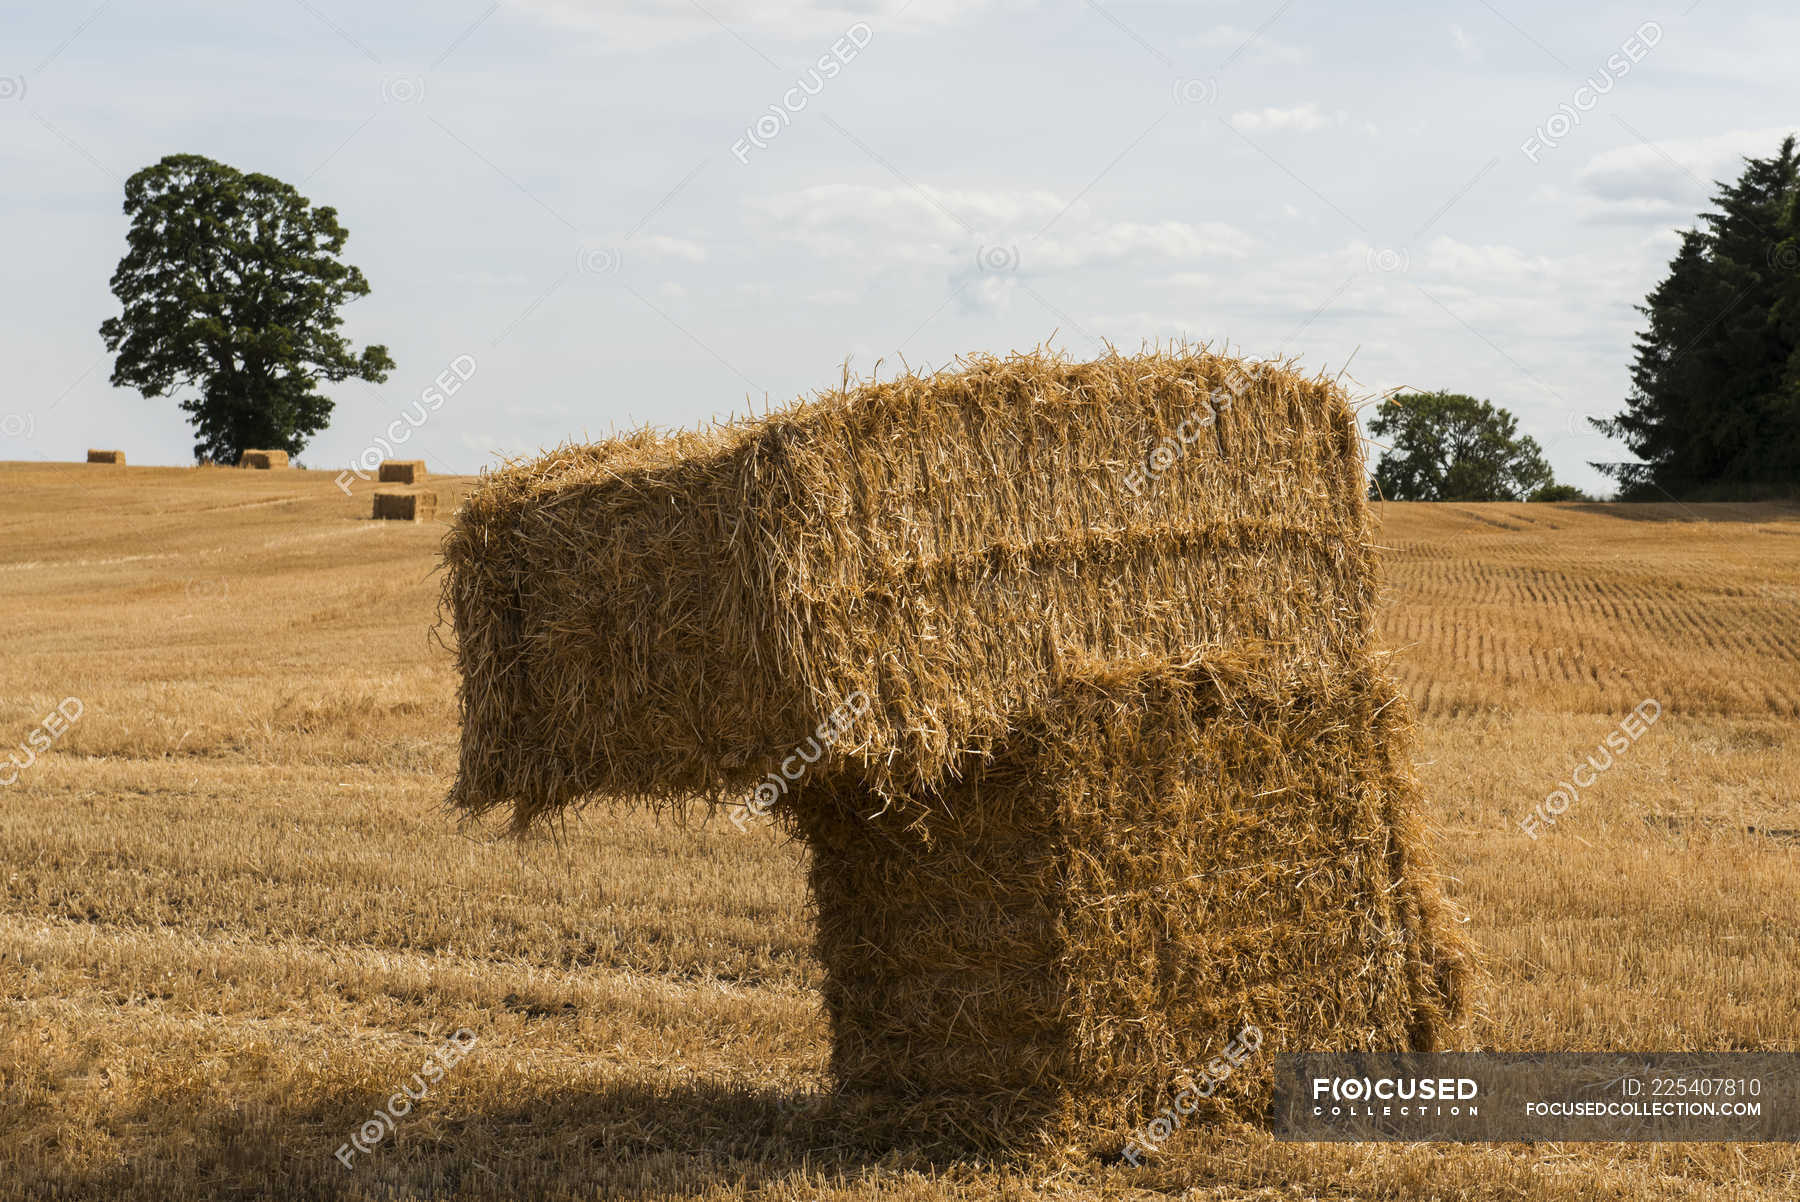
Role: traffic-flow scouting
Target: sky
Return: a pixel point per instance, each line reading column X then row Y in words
column 667, row 211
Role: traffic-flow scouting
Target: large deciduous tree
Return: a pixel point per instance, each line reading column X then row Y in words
column 1449, row 447
column 1714, row 407
column 231, row 285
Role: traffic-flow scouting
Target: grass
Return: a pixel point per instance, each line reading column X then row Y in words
column 234, row 918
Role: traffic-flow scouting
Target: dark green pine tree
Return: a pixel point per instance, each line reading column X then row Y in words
column 1783, row 415
column 1712, row 410
column 231, row 284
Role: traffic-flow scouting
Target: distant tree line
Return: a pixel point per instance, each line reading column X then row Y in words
column 232, row 283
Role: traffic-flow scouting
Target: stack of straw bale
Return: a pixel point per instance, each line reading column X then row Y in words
column 1124, row 773
column 263, row 459
column 402, row 471
column 404, row 504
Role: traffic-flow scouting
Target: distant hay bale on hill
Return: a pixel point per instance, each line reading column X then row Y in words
column 117, row 457
column 404, row 504
column 402, row 471
column 263, row 459
column 1064, row 672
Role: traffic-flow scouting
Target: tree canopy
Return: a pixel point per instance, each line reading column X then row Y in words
column 1714, row 407
column 231, row 284
column 1446, row 446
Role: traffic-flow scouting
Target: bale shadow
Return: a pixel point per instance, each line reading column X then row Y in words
column 629, row 1140
column 1748, row 512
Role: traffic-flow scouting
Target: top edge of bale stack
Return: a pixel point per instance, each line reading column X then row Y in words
column 664, row 616
column 117, row 457
column 401, row 471
column 263, row 459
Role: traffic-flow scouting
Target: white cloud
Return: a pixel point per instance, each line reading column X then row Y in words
column 1674, row 177
column 968, row 230
column 489, row 445
column 1529, row 304
column 1178, row 241
column 1261, row 49
column 673, row 248
column 1592, row 211
column 1302, row 117
column 644, row 23
column 987, row 293
column 1465, row 44
column 1490, row 264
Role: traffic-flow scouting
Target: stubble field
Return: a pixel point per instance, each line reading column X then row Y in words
column 234, row 918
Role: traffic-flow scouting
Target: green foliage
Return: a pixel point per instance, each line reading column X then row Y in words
column 1449, row 447
column 231, row 284
column 1715, row 399
column 1559, row 492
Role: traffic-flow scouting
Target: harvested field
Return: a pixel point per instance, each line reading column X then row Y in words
column 235, row 918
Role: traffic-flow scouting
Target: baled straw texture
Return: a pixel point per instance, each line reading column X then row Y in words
column 1123, row 775
column 94, row 456
column 404, row 504
column 401, row 471
column 1160, row 856
column 263, row 459
column 664, row 616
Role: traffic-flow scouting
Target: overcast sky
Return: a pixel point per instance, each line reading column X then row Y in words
column 579, row 196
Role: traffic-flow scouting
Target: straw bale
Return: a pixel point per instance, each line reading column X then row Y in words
column 664, row 616
column 1091, row 747
column 402, row 471
column 117, row 457
column 263, row 459
column 1162, row 855
column 404, row 504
